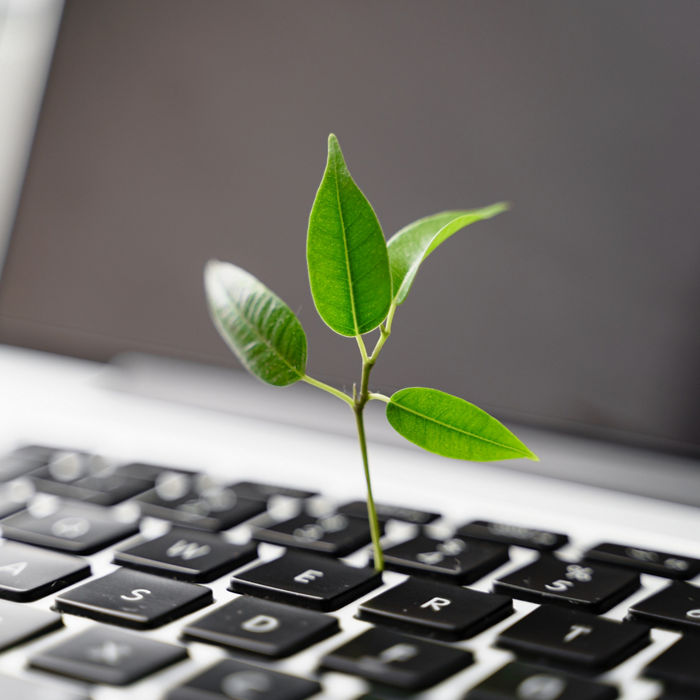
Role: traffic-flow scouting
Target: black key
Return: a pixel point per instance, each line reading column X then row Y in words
column 259, row 491
column 336, row 535
column 86, row 477
column 595, row 588
column 262, row 627
column 28, row 573
column 574, row 638
column 195, row 501
column 76, row 528
column 358, row 509
column 437, row 610
column 678, row 666
column 12, row 688
column 107, row 655
column 308, row 580
column 187, row 555
column 541, row 540
column 19, row 623
column 518, row 681
column 235, row 680
column 397, row 660
column 677, row 607
column 23, row 460
column 150, row 472
column 645, row 560
column 455, row 560
column 134, row 599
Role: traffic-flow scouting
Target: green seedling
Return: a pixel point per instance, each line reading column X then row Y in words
column 358, row 281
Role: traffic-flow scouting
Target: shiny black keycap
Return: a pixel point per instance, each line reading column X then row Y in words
column 307, row 580
column 134, row 599
column 645, row 560
column 358, row 509
column 433, row 609
column 23, row 689
column 455, row 560
column 262, row 627
column 86, row 477
column 677, row 607
column 19, row 623
column 592, row 587
column 574, row 638
column 151, row 472
column 259, row 491
column 236, row 680
column 75, row 528
column 336, row 535
column 518, row 681
column 397, row 660
column 28, row 573
column 678, row 668
column 196, row 502
column 187, row 555
column 513, row 534
column 107, row 655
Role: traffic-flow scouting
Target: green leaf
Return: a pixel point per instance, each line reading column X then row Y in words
column 415, row 242
column 256, row 324
column 346, row 253
column 451, row 426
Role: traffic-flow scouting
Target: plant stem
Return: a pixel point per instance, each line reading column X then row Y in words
column 371, row 510
column 330, row 389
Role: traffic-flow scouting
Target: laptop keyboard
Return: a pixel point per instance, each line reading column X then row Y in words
column 269, row 574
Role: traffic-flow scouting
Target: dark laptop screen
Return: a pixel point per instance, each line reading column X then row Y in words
column 173, row 132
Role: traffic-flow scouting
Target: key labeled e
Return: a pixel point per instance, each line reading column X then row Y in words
column 136, row 594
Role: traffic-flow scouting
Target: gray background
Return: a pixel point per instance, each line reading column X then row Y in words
column 176, row 131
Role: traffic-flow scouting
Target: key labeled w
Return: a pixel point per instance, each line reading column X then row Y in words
column 188, row 550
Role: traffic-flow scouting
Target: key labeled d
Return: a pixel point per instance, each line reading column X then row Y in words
column 261, row 624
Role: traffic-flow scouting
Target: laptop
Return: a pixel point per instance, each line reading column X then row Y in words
column 173, row 528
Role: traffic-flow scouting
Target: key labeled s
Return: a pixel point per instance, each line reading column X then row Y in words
column 136, row 594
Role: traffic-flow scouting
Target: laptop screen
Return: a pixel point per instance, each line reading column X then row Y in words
column 172, row 132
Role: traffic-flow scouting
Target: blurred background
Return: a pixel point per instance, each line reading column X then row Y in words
column 173, row 132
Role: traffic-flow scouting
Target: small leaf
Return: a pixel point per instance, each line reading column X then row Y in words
column 415, row 242
column 256, row 324
column 346, row 253
column 451, row 426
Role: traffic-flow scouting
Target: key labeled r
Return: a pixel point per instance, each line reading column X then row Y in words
column 436, row 604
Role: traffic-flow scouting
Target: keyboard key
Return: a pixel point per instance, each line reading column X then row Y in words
column 490, row 531
column 197, row 502
column 518, row 681
column 678, row 667
column 455, row 560
column 187, row 555
column 262, row 627
column 23, row 460
column 134, row 599
column 358, row 509
column 336, row 535
column 151, row 472
column 236, row 680
column 645, row 560
column 23, row 689
column 107, row 655
column 595, row 588
column 677, row 607
column 439, row 610
column 19, row 623
column 307, row 580
column 86, row 477
column 258, row 491
column 397, row 660
column 28, row 573
column 75, row 528
column 574, row 638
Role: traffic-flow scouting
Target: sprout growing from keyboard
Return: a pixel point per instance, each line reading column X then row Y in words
column 358, row 281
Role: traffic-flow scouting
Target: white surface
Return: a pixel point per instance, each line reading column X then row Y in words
column 27, row 33
column 66, row 402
